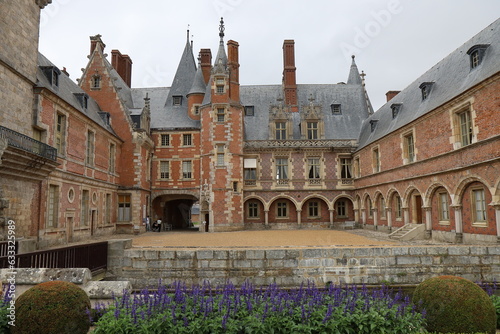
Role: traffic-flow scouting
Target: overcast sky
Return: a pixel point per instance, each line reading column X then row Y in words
column 394, row 41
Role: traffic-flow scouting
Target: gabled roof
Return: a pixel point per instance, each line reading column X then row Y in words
column 66, row 91
column 451, row 77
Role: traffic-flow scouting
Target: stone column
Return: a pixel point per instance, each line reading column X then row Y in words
column 497, row 216
column 459, row 236
column 389, row 218
column 331, row 217
column 356, row 215
column 406, row 215
column 266, row 218
column 299, row 218
column 428, row 221
column 375, row 219
column 363, row 216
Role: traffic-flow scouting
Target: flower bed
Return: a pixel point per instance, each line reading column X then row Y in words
column 250, row 309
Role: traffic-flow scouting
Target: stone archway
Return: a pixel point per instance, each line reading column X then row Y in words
column 174, row 209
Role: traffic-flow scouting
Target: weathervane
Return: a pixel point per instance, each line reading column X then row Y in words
column 221, row 28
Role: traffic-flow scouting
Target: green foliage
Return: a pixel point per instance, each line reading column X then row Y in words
column 455, row 305
column 248, row 310
column 52, row 307
column 496, row 302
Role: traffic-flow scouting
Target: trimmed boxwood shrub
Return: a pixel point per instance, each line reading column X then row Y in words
column 455, row 305
column 52, row 307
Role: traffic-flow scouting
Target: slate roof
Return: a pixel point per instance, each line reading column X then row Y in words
column 344, row 126
column 66, row 91
column 451, row 77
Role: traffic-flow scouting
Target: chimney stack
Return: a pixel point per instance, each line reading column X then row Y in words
column 94, row 41
column 390, row 94
column 123, row 65
column 289, row 79
column 234, row 67
column 206, row 64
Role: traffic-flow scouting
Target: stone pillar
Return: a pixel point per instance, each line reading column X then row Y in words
column 428, row 221
column 299, row 218
column 266, row 218
column 363, row 216
column 375, row 219
column 389, row 218
column 459, row 236
column 406, row 215
column 356, row 215
column 497, row 216
column 331, row 218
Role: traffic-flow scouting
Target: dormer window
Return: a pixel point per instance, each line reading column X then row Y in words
column 95, row 82
column 336, row 110
column 249, row 110
column 476, row 54
column 83, row 99
column 373, row 124
column 425, row 87
column 177, row 100
column 52, row 73
column 396, row 107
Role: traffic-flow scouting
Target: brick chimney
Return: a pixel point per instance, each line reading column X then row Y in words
column 289, row 79
column 234, row 67
column 390, row 94
column 94, row 41
column 123, row 65
column 206, row 64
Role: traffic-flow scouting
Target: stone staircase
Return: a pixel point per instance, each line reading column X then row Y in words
column 409, row 232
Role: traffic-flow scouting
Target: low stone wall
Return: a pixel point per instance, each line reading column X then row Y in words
column 145, row 267
column 98, row 291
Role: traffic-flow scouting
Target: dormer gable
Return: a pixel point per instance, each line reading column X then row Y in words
column 52, row 74
column 83, row 99
column 425, row 88
column 476, row 54
column 396, row 108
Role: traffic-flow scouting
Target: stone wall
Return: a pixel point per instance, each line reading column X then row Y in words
column 291, row 267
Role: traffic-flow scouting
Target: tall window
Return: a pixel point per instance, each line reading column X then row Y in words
column 280, row 130
column 220, row 115
column 370, row 207
column 165, row 140
column 253, row 210
column 479, row 205
column 90, row 148
column 53, row 206
column 187, row 170
column 250, row 171
column 376, row 160
column 313, row 168
column 107, row 210
column 112, row 153
column 164, row 170
column 345, row 168
column 444, row 213
column 124, row 213
column 219, row 83
column 399, row 207
column 409, row 147
column 312, row 130
column 357, row 167
column 282, row 168
column 85, row 207
column 96, row 82
column 313, row 209
column 465, row 122
column 340, row 207
column 220, row 155
column 282, row 210
column 186, row 139
column 60, row 135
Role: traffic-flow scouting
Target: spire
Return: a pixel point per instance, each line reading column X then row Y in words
column 354, row 78
column 221, row 58
column 199, row 85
